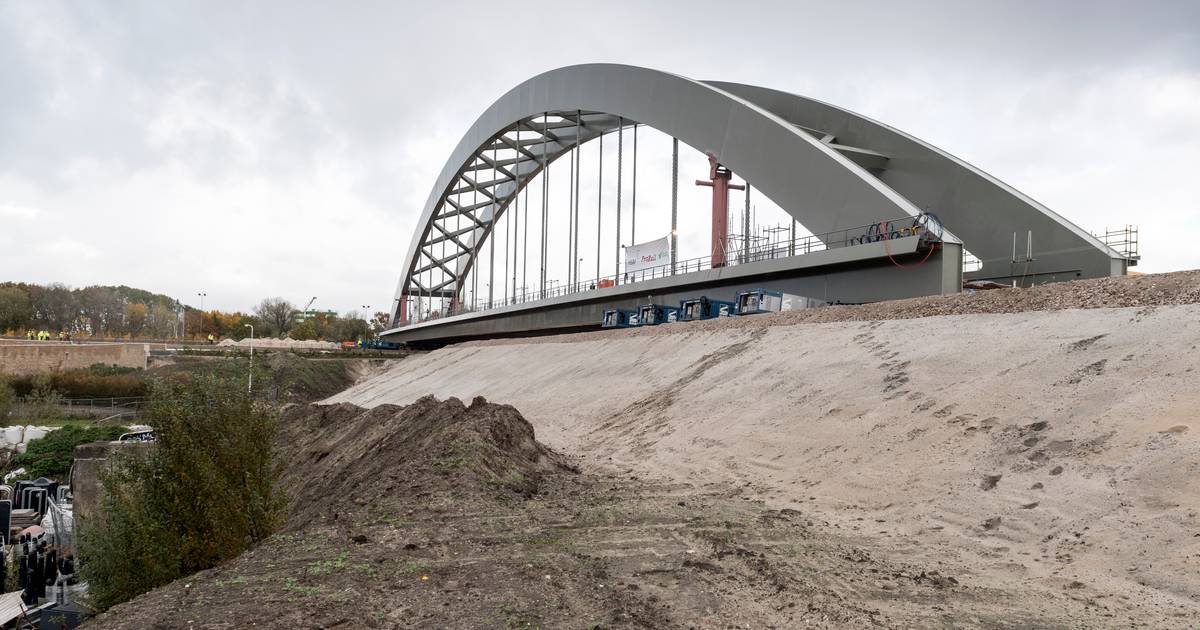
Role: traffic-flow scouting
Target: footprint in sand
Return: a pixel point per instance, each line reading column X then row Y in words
column 945, row 411
column 989, row 481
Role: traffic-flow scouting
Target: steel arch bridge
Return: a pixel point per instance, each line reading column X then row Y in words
column 832, row 170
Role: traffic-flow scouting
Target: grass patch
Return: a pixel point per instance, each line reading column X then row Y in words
column 291, row 585
column 417, row 566
column 333, row 565
column 368, row 570
column 380, row 516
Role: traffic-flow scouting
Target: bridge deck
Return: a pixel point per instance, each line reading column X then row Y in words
column 862, row 273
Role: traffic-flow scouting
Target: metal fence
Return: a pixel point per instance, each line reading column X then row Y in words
column 113, row 406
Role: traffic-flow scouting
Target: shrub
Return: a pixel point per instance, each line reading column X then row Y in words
column 101, row 369
column 93, row 382
column 51, row 456
column 43, row 399
column 7, row 399
column 202, row 494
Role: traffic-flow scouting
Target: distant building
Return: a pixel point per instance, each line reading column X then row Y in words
column 303, row 315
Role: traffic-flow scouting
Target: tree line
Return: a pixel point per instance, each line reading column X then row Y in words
column 123, row 312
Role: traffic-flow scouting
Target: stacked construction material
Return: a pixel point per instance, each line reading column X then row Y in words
column 17, row 438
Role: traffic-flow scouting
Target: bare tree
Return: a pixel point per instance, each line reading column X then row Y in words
column 276, row 315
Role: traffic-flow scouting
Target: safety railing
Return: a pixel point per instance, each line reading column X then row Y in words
column 734, row 255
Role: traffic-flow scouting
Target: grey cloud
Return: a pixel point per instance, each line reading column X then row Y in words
column 181, row 123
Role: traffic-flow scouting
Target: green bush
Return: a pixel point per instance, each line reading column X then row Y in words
column 204, row 492
column 7, row 399
column 43, row 399
column 101, row 369
column 97, row 381
column 51, row 456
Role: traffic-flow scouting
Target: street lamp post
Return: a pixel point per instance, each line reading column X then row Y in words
column 202, row 296
column 250, row 376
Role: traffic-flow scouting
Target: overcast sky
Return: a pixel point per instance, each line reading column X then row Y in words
column 249, row 149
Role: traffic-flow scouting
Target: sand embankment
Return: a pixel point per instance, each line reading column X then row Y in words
column 1052, row 451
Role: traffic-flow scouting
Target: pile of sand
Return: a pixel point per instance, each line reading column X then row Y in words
column 287, row 343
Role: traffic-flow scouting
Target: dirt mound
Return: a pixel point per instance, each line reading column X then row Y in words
column 343, row 459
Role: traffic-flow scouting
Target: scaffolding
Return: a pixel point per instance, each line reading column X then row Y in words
column 1124, row 240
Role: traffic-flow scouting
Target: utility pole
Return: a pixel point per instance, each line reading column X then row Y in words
column 250, row 376
column 202, row 296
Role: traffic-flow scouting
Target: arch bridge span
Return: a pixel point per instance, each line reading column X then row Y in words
column 833, row 171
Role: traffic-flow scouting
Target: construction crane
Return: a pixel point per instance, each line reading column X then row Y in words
column 303, row 314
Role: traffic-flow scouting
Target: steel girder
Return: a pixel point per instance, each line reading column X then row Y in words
column 465, row 213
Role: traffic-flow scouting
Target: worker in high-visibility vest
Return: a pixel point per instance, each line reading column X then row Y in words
column 211, row 339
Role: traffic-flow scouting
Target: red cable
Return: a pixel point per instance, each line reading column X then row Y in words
column 887, row 249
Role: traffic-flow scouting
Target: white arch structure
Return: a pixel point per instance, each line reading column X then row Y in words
column 829, row 168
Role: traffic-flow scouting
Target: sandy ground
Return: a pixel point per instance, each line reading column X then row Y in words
column 440, row 515
column 1049, row 455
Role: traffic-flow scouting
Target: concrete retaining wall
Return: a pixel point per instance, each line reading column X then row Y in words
column 48, row 356
column 90, row 460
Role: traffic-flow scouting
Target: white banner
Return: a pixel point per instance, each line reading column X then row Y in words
column 643, row 256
